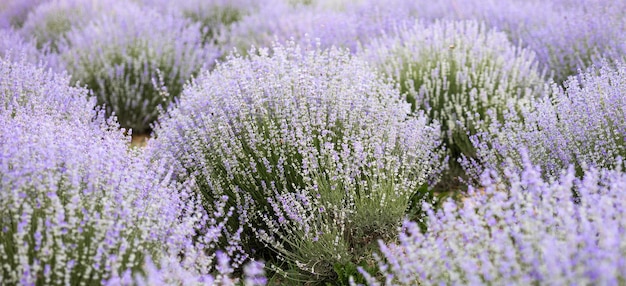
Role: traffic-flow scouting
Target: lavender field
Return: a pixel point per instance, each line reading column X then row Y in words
column 312, row 142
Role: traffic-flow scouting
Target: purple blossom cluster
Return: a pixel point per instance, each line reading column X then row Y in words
column 518, row 229
column 581, row 124
column 135, row 60
column 309, row 146
column 456, row 71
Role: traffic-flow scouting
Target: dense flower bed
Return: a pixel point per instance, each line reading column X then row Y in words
column 314, row 142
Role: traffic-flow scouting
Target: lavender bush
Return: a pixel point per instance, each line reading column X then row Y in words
column 456, row 71
column 518, row 230
column 315, row 152
column 78, row 206
column 50, row 21
column 135, row 61
column 580, row 124
column 13, row 13
column 75, row 206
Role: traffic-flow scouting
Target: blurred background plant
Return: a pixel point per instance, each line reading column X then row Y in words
column 136, row 61
column 49, row 22
column 454, row 72
column 214, row 17
column 13, row 13
column 14, row 46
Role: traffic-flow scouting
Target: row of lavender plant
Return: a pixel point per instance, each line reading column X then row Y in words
column 302, row 155
column 134, row 73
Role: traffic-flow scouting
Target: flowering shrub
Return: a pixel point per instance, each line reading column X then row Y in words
column 73, row 207
column 50, row 21
column 135, row 61
column 518, row 230
column 456, row 71
column 78, row 205
column 13, row 13
column 580, row 124
column 313, row 150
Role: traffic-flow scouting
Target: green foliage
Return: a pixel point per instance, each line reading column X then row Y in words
column 349, row 271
